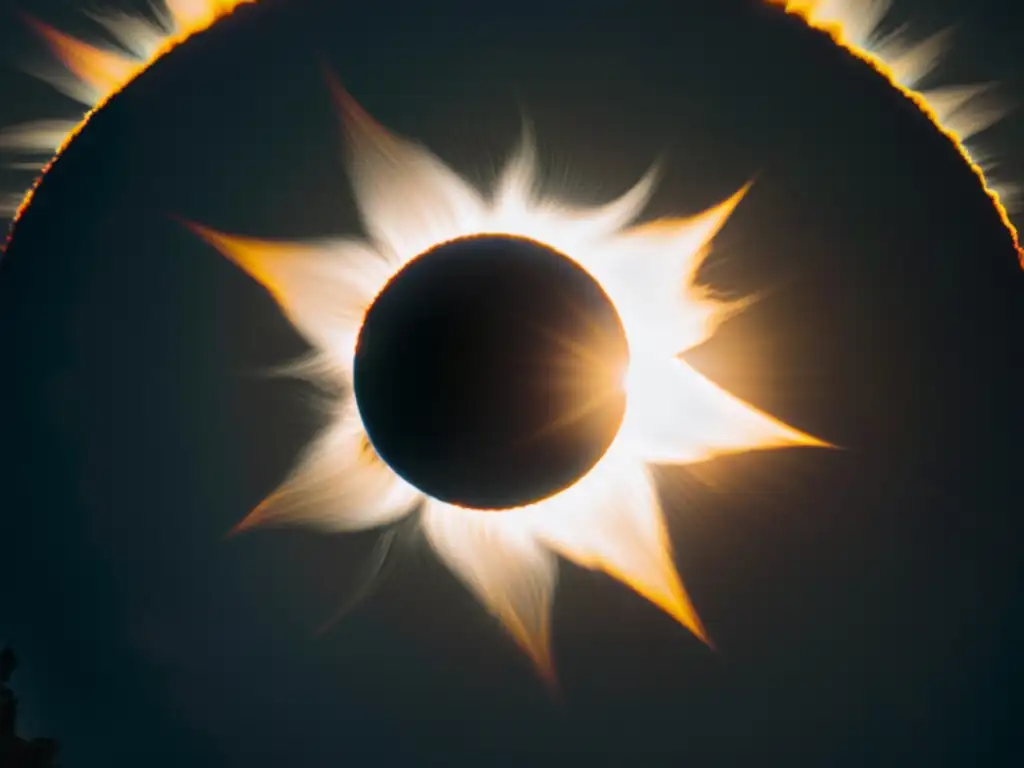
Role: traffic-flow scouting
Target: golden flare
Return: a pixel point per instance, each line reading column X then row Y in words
column 609, row 519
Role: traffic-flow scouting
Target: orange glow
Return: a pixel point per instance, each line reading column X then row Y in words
column 191, row 16
column 100, row 73
column 611, row 518
column 102, row 70
column 852, row 25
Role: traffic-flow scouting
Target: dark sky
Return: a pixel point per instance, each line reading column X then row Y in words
column 863, row 602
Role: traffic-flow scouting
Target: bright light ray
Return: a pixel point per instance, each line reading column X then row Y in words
column 340, row 469
column 92, row 74
column 505, row 566
column 960, row 113
column 610, row 519
column 325, row 289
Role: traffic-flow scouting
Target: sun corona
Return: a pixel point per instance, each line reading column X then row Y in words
column 605, row 514
column 489, row 370
column 609, row 518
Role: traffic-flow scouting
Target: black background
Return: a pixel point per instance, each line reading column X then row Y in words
column 863, row 602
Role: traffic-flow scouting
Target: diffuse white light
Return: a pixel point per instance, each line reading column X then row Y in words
column 610, row 519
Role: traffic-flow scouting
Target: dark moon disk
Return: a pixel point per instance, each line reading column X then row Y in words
column 488, row 372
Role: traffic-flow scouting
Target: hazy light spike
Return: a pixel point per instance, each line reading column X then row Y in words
column 518, row 207
column 99, row 72
column 674, row 415
column 516, row 189
column 650, row 271
column 606, row 219
column 33, row 139
column 692, row 234
column 96, row 74
column 138, row 35
column 1012, row 195
column 910, row 63
column 396, row 180
column 611, row 521
column 853, row 25
column 966, row 109
column 505, row 566
column 341, row 484
column 324, row 289
column 24, row 165
column 9, row 204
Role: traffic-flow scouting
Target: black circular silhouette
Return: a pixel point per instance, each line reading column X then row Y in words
column 488, row 372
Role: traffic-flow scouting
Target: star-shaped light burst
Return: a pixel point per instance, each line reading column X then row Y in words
column 610, row 518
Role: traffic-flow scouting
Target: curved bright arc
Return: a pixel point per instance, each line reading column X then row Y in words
column 955, row 112
column 94, row 74
column 410, row 201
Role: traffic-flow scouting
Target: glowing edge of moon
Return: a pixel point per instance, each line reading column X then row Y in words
column 956, row 112
column 100, row 73
column 852, row 24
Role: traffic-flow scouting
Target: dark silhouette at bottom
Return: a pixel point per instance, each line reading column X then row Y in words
column 16, row 752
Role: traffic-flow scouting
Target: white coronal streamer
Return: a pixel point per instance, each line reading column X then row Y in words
column 650, row 273
column 910, row 62
column 394, row 179
column 87, row 73
column 340, row 485
column 610, row 519
column 518, row 208
column 674, row 415
column 138, row 36
column 504, row 565
column 10, row 203
column 37, row 139
column 27, row 147
column 324, row 289
column 966, row 110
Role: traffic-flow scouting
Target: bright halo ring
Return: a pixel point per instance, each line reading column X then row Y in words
column 609, row 519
